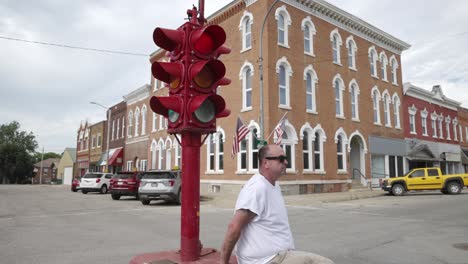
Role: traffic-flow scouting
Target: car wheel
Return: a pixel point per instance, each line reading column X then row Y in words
column 115, row 197
column 103, row 189
column 84, row 192
column 444, row 191
column 74, row 190
column 145, row 202
column 453, row 188
column 398, row 189
column 178, row 199
column 137, row 197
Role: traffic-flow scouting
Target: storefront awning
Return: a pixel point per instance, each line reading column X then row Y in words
column 116, row 158
column 464, row 156
column 422, row 152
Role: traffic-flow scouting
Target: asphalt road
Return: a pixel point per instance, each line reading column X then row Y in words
column 50, row 224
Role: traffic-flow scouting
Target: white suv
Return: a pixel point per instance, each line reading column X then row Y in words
column 95, row 182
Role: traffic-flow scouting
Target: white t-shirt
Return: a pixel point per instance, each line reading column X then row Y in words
column 269, row 232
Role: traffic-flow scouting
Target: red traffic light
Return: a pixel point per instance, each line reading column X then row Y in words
column 168, row 106
column 205, row 108
column 169, row 39
column 208, row 41
column 206, row 75
column 169, row 72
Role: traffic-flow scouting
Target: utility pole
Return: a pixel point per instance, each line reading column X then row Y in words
column 42, row 161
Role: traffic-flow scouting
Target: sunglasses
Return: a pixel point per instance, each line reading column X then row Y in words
column 279, row 158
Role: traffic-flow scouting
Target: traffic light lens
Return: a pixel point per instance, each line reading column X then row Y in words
column 174, row 83
column 206, row 112
column 205, row 44
column 205, row 78
column 172, row 115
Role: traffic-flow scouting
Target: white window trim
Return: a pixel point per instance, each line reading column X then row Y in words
column 374, row 56
column 344, row 141
column 383, row 65
column 314, row 80
column 441, row 126
column 434, row 117
column 376, row 105
column 242, row 76
column 307, row 22
column 130, row 124
column 287, row 22
column 137, row 121
column 394, row 66
column 246, row 17
column 455, row 128
column 291, row 140
column 357, row 92
column 412, row 118
column 396, row 110
column 143, row 120
column 218, row 152
column 341, row 90
column 388, row 115
column 288, row 72
column 424, row 114
column 307, row 129
column 334, row 33
column 350, row 40
column 447, row 127
column 322, row 139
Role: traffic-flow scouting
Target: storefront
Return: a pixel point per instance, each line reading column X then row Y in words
column 387, row 157
column 423, row 154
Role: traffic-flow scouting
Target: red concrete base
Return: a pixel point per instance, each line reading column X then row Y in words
column 207, row 256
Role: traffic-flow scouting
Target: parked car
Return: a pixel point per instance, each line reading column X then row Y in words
column 125, row 183
column 75, row 186
column 95, row 182
column 160, row 185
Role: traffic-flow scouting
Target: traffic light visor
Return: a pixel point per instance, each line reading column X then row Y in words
column 168, row 72
column 168, row 39
column 206, row 107
column 207, row 73
column 167, row 106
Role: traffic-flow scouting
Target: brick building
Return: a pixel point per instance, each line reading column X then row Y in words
column 117, row 137
column 432, row 131
column 96, row 148
column 82, row 150
column 337, row 78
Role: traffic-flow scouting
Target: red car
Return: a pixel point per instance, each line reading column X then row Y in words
column 125, row 183
column 75, row 186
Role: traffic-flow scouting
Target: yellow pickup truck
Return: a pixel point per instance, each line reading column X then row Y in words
column 426, row 179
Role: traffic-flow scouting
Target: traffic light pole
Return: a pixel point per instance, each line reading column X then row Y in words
column 190, row 245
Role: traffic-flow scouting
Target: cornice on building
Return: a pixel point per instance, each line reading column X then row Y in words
column 351, row 23
column 434, row 96
column 137, row 95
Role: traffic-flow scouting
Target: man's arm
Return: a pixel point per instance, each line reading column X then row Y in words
column 241, row 218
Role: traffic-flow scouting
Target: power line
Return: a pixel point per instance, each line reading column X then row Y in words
column 75, row 47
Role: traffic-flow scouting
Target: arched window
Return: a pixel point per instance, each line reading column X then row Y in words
column 155, row 122
column 253, row 149
column 387, row 113
column 318, row 151
column 383, row 65
column 283, row 68
column 341, row 140
column 412, row 119
column 220, row 152
column 210, row 149
column 336, row 43
column 154, row 154
column 242, row 160
column 168, row 146
column 161, row 154
column 246, row 76
column 354, row 94
column 177, row 154
column 288, row 141
column 284, row 20
column 309, row 33
column 143, row 120
column 311, row 80
column 352, row 49
column 447, row 127
column 130, row 124
column 307, row 136
column 245, row 27
column 338, row 87
column 394, row 68
column 373, row 61
column 376, row 105
column 137, row 120
column 396, row 110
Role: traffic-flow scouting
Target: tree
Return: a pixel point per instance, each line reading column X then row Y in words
column 16, row 153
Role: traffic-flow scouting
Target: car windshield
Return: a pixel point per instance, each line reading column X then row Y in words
column 92, row 175
column 158, row 175
column 123, row 176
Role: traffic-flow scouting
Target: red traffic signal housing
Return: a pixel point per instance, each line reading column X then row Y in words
column 193, row 75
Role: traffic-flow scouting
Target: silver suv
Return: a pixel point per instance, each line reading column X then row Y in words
column 160, row 185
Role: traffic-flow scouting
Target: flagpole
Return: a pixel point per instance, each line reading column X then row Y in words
column 276, row 126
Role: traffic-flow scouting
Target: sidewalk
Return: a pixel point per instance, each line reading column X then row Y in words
column 228, row 200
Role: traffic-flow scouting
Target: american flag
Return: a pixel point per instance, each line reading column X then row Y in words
column 241, row 132
column 279, row 130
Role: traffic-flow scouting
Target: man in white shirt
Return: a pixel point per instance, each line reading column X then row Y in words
column 260, row 225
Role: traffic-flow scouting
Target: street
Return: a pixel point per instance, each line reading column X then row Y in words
column 50, row 224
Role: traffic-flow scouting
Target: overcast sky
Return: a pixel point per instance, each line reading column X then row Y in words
column 47, row 89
